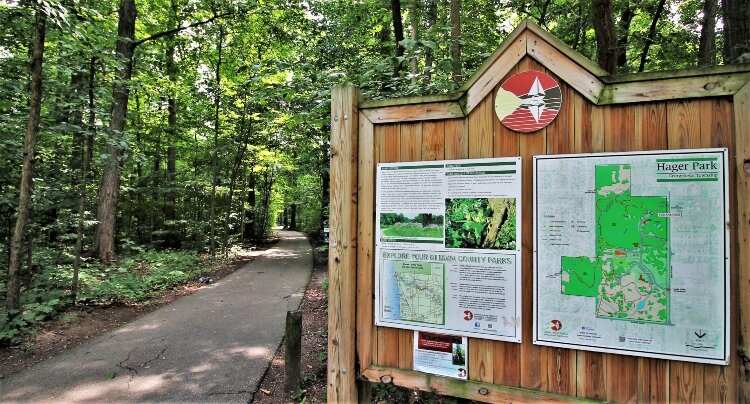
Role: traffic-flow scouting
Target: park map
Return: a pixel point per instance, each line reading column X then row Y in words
column 631, row 253
column 629, row 277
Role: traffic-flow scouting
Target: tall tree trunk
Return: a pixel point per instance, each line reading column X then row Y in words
column 429, row 56
column 217, row 129
column 85, row 161
column 579, row 25
column 140, row 213
column 13, row 294
column 606, row 39
column 736, row 31
column 109, row 191
column 170, row 198
column 622, row 43
column 456, row 40
column 266, row 203
column 75, row 115
column 707, row 42
column 414, row 22
column 651, row 37
column 543, row 13
column 155, row 186
column 92, row 110
column 250, row 213
column 238, row 160
column 293, row 216
column 398, row 32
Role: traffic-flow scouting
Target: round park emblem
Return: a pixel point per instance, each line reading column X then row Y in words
column 528, row 101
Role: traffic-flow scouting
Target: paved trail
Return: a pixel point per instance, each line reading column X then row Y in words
column 211, row 346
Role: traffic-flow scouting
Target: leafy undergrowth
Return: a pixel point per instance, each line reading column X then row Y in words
column 135, row 280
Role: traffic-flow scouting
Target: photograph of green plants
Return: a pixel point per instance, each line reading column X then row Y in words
column 421, row 225
column 488, row 223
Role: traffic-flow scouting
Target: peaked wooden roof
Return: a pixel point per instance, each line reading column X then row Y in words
column 529, row 39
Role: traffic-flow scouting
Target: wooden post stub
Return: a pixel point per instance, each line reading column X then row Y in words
column 292, row 351
column 342, row 260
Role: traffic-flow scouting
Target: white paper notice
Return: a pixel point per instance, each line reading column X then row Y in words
column 448, row 247
column 442, row 355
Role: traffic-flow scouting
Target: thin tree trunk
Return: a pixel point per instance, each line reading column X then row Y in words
column 543, row 13
column 85, row 161
column 155, row 185
column 606, row 39
column 13, row 294
column 243, row 190
column 414, row 17
column 651, row 34
column 707, row 42
column 429, row 57
column 75, row 114
column 92, row 110
column 217, row 129
column 579, row 25
column 250, row 216
column 240, row 157
column 398, row 32
column 109, row 191
column 456, row 40
column 736, row 31
column 622, row 43
column 140, row 214
column 170, row 198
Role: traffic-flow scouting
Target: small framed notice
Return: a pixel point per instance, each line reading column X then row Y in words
column 440, row 354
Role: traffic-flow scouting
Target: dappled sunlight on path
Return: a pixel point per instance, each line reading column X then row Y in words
column 213, row 345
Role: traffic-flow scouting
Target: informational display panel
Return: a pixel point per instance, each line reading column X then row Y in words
column 448, row 247
column 440, row 354
column 631, row 253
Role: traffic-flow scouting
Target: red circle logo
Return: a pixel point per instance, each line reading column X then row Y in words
column 556, row 325
column 468, row 315
column 528, row 101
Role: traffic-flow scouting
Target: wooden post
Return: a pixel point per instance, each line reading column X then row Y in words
column 742, row 184
column 342, row 256
column 292, row 351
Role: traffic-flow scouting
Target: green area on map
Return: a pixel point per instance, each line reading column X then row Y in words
column 629, row 276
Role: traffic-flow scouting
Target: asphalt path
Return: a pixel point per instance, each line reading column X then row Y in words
column 211, row 346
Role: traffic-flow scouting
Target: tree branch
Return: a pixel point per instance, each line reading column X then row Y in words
column 182, row 28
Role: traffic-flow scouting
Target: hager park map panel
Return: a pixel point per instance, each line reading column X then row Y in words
column 632, row 253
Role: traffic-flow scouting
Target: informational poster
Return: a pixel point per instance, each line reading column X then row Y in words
column 632, row 253
column 440, row 354
column 448, row 247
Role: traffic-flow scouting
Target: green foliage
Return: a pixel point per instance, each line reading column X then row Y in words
column 136, row 280
column 481, row 223
column 13, row 325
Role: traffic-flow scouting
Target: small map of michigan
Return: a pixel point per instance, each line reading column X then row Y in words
column 629, row 276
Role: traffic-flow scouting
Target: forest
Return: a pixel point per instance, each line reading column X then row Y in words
column 163, row 133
